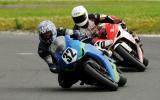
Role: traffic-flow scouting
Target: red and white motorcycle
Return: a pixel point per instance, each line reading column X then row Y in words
column 125, row 47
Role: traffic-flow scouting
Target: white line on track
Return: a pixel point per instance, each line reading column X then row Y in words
column 146, row 35
column 25, row 53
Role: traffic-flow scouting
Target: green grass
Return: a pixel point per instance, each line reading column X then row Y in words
column 140, row 16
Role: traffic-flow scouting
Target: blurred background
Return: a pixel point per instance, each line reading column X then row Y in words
column 141, row 16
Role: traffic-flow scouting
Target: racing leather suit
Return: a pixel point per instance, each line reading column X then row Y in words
column 44, row 50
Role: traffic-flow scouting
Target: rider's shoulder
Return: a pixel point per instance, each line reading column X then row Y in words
column 41, row 44
column 93, row 16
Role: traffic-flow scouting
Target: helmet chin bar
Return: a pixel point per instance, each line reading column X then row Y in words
column 86, row 25
column 82, row 23
column 46, row 39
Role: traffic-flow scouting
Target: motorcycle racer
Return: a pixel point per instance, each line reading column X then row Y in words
column 47, row 35
column 86, row 25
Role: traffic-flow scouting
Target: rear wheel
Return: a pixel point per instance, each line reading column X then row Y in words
column 130, row 59
column 92, row 69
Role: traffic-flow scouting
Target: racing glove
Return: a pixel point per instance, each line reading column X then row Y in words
column 53, row 68
column 124, row 26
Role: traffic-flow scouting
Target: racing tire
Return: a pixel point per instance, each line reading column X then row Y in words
column 98, row 77
column 130, row 59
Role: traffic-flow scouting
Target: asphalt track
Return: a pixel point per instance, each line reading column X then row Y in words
column 24, row 76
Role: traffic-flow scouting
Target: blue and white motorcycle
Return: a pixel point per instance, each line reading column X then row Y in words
column 84, row 62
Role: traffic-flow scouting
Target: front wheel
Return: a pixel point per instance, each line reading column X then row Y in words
column 92, row 69
column 130, row 59
column 65, row 81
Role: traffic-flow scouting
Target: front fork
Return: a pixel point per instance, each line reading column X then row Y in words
column 115, row 70
column 140, row 53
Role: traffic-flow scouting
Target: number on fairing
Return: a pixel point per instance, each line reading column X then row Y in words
column 69, row 55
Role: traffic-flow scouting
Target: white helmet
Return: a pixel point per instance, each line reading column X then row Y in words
column 47, row 31
column 80, row 16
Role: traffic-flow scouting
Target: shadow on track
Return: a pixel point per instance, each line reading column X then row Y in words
column 74, row 89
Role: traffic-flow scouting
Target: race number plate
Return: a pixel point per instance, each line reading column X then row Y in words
column 69, row 55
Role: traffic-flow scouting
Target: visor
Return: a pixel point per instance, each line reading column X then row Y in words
column 80, row 19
